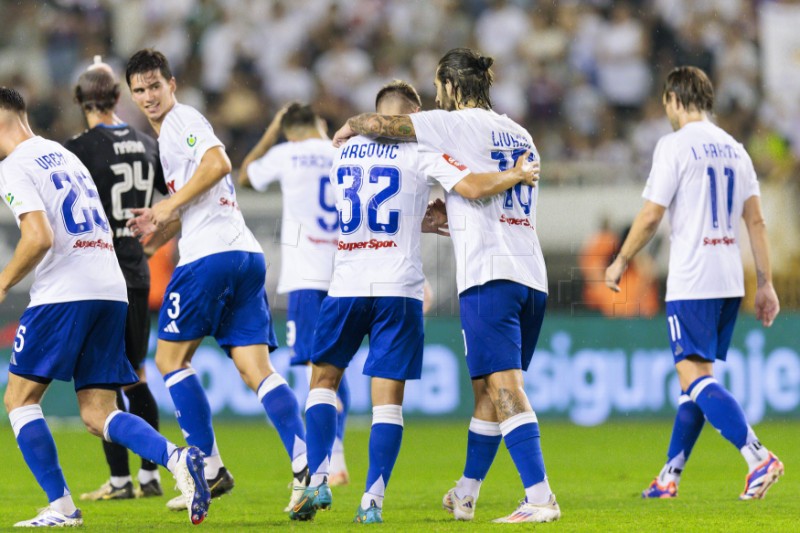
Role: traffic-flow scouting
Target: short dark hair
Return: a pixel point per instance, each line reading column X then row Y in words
column 146, row 60
column 399, row 88
column 298, row 115
column 11, row 100
column 691, row 87
column 469, row 73
column 97, row 89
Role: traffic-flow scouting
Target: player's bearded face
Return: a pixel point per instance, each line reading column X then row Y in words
column 153, row 94
column 443, row 100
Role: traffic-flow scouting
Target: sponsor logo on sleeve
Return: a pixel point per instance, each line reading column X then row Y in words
column 11, row 200
column 454, row 162
column 191, row 140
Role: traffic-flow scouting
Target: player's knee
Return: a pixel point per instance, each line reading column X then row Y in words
column 94, row 419
column 8, row 401
column 93, row 425
column 168, row 363
column 325, row 377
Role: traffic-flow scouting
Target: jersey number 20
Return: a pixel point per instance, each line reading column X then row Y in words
column 523, row 193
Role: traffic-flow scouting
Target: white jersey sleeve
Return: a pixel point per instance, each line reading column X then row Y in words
column 442, row 168
column 41, row 175
column 433, row 129
column 662, row 184
column 20, row 193
column 267, row 169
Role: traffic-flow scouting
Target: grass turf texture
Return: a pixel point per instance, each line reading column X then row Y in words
column 597, row 474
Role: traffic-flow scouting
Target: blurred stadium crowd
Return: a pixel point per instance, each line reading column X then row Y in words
column 583, row 76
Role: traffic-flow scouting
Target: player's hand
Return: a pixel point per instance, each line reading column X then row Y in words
column 614, row 273
column 435, row 219
column 767, row 305
column 529, row 169
column 343, row 134
column 3, row 294
column 163, row 213
column 141, row 225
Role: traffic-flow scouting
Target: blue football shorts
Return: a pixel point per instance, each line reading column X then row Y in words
column 701, row 327
column 221, row 295
column 301, row 319
column 501, row 321
column 82, row 341
column 395, row 329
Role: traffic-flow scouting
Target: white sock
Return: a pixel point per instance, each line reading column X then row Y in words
column 368, row 498
column 468, row 487
column 754, row 453
column 337, row 457
column 299, row 463
column 213, row 464
column 669, row 473
column 538, row 494
column 146, row 476
column 119, row 481
column 64, row 505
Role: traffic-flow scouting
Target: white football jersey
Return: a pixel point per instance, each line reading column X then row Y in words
column 494, row 238
column 703, row 176
column 310, row 220
column 212, row 223
column 42, row 175
column 382, row 192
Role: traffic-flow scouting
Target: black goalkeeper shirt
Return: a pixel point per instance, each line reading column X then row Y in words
column 125, row 167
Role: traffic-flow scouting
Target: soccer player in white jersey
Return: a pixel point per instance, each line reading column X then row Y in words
column 309, row 235
column 74, row 326
column 502, row 281
column 706, row 181
column 377, row 290
column 218, row 286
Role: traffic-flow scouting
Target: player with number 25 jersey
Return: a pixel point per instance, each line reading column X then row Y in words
column 41, row 175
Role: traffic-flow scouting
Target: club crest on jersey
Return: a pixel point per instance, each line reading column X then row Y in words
column 191, row 140
column 454, row 162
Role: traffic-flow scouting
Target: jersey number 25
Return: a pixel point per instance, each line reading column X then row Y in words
column 89, row 208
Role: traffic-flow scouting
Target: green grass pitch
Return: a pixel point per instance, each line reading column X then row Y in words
column 597, row 474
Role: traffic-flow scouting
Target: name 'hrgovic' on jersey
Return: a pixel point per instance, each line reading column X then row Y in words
column 703, row 176
column 382, row 192
column 212, row 223
column 125, row 167
column 310, row 220
column 494, row 238
column 41, row 175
